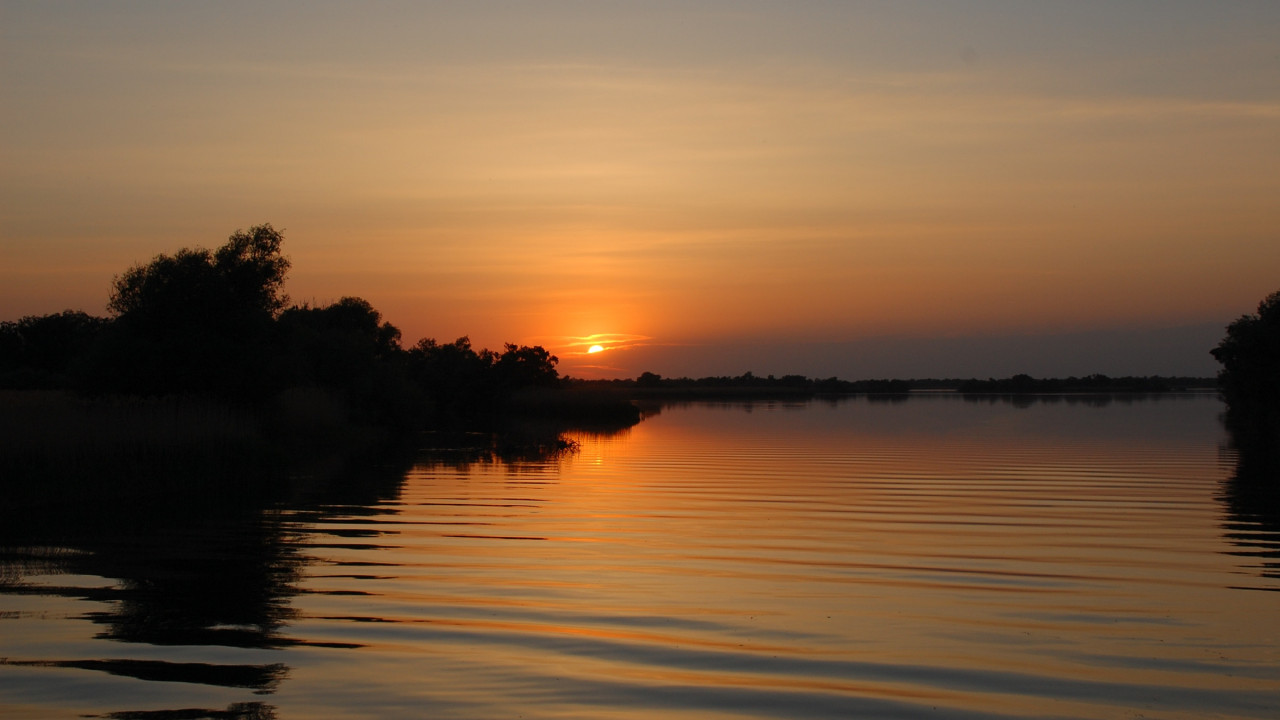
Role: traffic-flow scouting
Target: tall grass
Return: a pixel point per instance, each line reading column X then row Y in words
column 57, row 446
column 576, row 408
column 53, row 442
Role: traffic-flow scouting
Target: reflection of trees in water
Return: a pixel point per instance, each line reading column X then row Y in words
column 193, row 568
column 1087, row 399
column 1252, row 497
column 203, row 568
column 525, row 447
column 213, row 564
column 237, row 711
column 521, row 448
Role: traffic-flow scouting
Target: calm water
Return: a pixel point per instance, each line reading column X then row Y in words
column 933, row 557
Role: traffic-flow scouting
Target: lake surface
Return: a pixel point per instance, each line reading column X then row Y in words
column 930, row 557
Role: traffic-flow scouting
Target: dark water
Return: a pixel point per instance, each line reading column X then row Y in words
column 934, row 557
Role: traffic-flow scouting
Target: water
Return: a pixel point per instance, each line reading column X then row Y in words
column 934, row 557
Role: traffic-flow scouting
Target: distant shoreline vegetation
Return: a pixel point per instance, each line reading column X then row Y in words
column 652, row 386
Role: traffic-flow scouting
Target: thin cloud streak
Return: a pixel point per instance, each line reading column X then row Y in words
column 573, row 347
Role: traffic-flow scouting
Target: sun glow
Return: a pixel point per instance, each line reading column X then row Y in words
column 599, row 355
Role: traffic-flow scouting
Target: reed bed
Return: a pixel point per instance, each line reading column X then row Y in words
column 53, row 442
column 576, row 408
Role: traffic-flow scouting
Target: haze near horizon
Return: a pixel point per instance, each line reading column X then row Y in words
column 852, row 189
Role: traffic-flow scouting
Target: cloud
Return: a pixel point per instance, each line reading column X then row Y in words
column 568, row 346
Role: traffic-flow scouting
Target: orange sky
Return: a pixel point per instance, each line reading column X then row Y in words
column 685, row 177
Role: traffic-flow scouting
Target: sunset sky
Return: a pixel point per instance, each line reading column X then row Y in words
column 897, row 189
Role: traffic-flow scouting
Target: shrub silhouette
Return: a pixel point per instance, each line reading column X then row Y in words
column 330, row 345
column 463, row 384
column 1250, row 376
column 454, row 378
column 520, row 367
column 46, row 351
column 345, row 348
column 198, row 321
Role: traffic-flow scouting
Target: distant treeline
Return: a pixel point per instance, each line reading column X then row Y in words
column 650, row 384
column 1020, row 384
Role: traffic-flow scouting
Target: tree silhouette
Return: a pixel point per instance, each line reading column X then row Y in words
column 648, row 379
column 240, row 282
column 332, row 345
column 464, row 385
column 46, row 351
column 454, row 378
column 1250, row 375
column 347, row 349
column 523, row 366
column 197, row 321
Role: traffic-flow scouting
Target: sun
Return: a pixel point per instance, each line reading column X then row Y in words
column 595, row 349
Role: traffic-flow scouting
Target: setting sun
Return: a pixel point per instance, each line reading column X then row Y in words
column 595, row 349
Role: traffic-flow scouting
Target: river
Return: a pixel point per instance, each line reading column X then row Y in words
column 931, row 556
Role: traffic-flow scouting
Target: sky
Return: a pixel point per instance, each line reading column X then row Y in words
column 860, row 189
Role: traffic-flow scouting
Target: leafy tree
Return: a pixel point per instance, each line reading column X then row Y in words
column 240, row 283
column 45, row 351
column 1250, row 374
column 524, row 366
column 346, row 349
column 464, row 385
column 648, row 379
column 454, row 377
column 335, row 344
column 254, row 269
column 197, row 321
